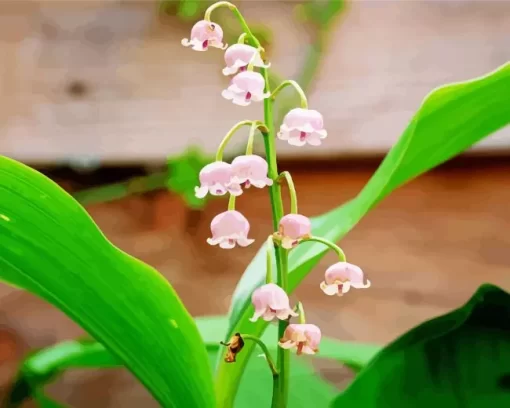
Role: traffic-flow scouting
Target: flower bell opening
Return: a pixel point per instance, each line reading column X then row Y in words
column 303, row 126
column 229, row 229
column 270, row 301
column 339, row 278
column 292, row 229
column 239, row 56
column 205, row 34
column 216, row 179
column 305, row 338
column 245, row 87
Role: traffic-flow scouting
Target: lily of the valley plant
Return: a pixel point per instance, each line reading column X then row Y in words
column 248, row 68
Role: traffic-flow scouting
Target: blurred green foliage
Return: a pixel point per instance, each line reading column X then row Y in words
column 183, row 173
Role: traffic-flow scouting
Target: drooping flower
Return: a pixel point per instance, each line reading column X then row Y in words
column 340, row 277
column 238, row 56
column 228, row 229
column 292, row 228
column 250, row 170
column 216, row 178
column 245, row 87
column 304, row 337
column 301, row 126
column 205, row 34
column 271, row 301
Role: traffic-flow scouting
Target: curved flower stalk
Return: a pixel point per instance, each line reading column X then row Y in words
column 300, row 126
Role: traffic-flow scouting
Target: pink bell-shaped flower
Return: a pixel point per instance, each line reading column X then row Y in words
column 292, row 228
column 205, row 34
column 250, row 170
column 340, row 277
column 245, row 87
column 302, row 126
column 304, row 337
column 238, row 56
column 216, row 178
column 271, row 301
column 228, row 229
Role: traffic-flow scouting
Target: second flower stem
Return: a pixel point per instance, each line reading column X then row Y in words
column 265, row 350
column 281, row 383
column 292, row 190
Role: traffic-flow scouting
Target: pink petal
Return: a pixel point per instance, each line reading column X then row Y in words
column 344, row 271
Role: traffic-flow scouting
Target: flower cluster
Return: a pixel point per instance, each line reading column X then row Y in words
column 300, row 126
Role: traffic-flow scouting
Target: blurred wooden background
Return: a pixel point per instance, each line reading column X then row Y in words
column 109, row 79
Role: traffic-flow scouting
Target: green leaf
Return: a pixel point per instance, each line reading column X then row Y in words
column 451, row 119
column 51, row 247
column 461, row 359
column 43, row 366
column 45, row 402
column 70, row 354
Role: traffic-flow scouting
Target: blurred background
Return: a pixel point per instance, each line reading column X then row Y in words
column 101, row 97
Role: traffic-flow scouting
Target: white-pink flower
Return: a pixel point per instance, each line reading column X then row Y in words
column 228, row 229
column 216, row 178
column 292, row 228
column 340, row 277
column 205, row 34
column 238, row 56
column 245, row 87
column 250, row 170
column 304, row 337
column 271, row 301
column 302, row 126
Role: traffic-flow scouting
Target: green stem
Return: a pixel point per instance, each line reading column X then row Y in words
column 237, row 13
column 281, row 385
column 292, row 190
column 281, row 381
column 269, row 261
column 301, row 311
column 251, row 137
column 232, row 202
column 231, row 132
column 241, row 38
column 264, row 348
column 290, row 82
column 328, row 243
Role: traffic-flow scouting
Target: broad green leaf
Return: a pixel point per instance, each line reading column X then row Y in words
column 44, row 401
column 44, row 366
column 51, row 247
column 451, row 119
column 70, row 354
column 461, row 359
column 307, row 388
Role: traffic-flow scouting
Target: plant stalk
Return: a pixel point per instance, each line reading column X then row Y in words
column 281, row 383
column 264, row 348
